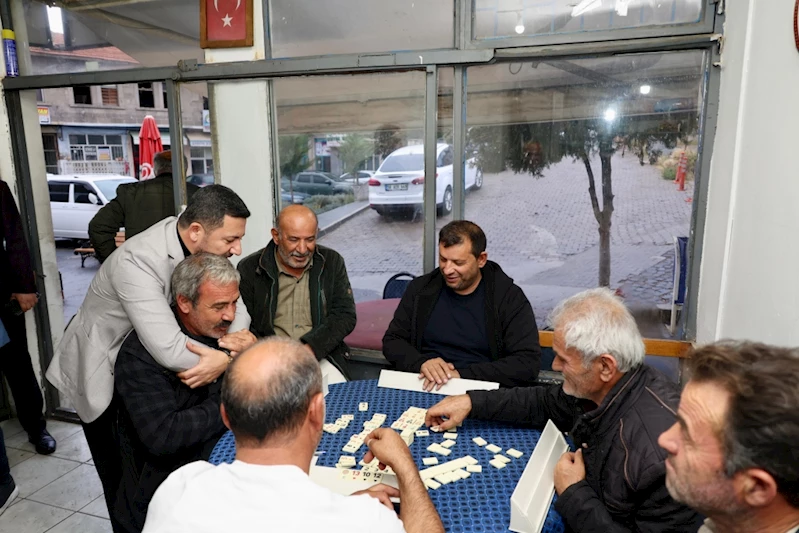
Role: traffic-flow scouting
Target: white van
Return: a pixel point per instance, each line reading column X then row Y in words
column 75, row 199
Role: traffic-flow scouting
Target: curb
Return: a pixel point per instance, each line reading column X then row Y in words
column 336, row 223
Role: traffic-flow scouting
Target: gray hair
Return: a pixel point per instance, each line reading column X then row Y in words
column 259, row 408
column 596, row 322
column 196, row 270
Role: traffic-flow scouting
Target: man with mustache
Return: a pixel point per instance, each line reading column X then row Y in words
column 299, row 289
column 163, row 423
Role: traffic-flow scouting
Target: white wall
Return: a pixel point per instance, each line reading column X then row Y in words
column 749, row 283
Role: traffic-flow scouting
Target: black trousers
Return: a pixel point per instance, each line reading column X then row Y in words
column 101, row 436
column 15, row 364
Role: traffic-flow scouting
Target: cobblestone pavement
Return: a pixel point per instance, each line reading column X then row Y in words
column 542, row 232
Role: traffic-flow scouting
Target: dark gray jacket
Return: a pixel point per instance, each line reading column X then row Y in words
column 625, row 485
column 332, row 304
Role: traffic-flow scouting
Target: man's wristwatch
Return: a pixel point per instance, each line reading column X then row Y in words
column 227, row 352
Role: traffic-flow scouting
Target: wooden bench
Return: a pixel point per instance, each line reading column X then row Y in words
column 84, row 254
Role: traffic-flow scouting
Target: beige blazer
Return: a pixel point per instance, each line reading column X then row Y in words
column 130, row 291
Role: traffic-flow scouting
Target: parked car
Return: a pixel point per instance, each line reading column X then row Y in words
column 203, row 180
column 313, row 183
column 363, row 176
column 75, row 199
column 200, row 180
column 288, row 198
column 399, row 182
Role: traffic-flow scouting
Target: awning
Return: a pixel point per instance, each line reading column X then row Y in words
column 199, row 139
column 164, row 138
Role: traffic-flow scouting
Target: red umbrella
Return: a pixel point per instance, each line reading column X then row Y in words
column 149, row 145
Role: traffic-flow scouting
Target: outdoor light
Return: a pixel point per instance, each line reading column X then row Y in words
column 520, row 24
column 645, row 89
column 610, row 115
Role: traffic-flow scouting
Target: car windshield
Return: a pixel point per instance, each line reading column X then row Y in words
column 109, row 187
column 403, row 163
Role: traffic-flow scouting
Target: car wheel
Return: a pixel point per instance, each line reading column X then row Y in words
column 478, row 180
column 446, row 205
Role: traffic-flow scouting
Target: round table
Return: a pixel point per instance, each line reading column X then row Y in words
column 476, row 504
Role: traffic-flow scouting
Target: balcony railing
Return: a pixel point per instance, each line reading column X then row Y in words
column 94, row 167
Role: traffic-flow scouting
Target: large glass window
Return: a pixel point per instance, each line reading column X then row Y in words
column 301, row 28
column 512, row 18
column 577, row 162
column 331, row 127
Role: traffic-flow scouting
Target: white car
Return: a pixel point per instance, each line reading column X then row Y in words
column 75, row 199
column 363, row 177
column 399, row 182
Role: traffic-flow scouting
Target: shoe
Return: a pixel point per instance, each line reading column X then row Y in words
column 8, row 493
column 44, row 442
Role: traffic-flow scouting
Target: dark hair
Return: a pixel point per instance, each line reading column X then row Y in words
column 162, row 163
column 762, row 425
column 458, row 230
column 210, row 205
column 259, row 410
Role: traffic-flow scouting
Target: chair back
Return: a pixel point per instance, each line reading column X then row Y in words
column 396, row 285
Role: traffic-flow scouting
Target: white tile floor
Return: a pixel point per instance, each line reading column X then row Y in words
column 59, row 493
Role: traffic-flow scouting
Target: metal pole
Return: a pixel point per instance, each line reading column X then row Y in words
column 274, row 145
column 28, row 213
column 459, row 143
column 430, row 128
column 176, row 133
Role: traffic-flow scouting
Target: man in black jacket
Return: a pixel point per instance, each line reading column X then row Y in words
column 17, row 296
column 614, row 408
column 299, row 289
column 162, row 423
column 465, row 319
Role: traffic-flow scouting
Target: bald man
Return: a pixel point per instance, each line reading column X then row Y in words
column 273, row 403
column 299, row 289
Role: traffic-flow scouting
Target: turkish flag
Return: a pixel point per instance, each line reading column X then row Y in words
column 227, row 23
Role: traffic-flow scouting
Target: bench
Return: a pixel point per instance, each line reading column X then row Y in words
column 84, row 254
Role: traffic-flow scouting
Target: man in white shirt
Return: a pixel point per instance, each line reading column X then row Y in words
column 272, row 400
column 734, row 451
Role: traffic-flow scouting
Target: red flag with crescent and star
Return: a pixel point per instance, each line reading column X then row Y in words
column 226, row 23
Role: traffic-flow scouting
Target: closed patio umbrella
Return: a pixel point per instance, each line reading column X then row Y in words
column 149, row 145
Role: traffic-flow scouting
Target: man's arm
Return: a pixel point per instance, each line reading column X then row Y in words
column 151, row 401
column 397, row 347
column 22, row 280
column 105, row 225
column 341, row 317
column 526, row 405
column 583, row 511
column 520, row 359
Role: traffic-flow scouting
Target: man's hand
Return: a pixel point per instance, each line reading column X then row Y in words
column 389, row 448
column 380, row 492
column 119, row 238
column 237, row 342
column 569, row 470
column 449, row 412
column 212, row 364
column 26, row 300
column 436, row 373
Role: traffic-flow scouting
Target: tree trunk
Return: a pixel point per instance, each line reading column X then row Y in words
column 605, row 222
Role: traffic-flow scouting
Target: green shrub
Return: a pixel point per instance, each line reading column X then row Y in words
column 322, row 203
column 669, row 173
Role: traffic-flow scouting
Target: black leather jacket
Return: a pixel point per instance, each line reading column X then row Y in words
column 625, row 487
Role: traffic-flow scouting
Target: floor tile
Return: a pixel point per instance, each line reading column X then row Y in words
column 73, row 490
column 10, row 427
column 38, row 471
column 97, row 508
column 31, row 517
column 59, row 430
column 15, row 456
column 82, row 523
column 74, row 448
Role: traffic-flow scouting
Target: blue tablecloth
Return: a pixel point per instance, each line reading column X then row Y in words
column 479, row 503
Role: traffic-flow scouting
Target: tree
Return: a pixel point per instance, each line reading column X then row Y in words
column 293, row 154
column 387, row 139
column 353, row 150
column 531, row 148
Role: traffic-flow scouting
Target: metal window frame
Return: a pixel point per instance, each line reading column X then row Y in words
column 704, row 36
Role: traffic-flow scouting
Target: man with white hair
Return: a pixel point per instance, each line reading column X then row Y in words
column 614, row 408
